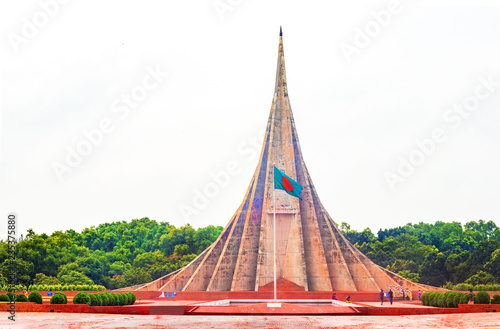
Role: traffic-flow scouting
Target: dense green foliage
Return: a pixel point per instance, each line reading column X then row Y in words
column 483, row 297
column 35, row 297
column 495, row 299
column 20, row 298
column 95, row 300
column 447, row 299
column 81, row 298
column 4, row 298
column 69, row 287
column 11, row 296
column 114, row 255
column 121, row 254
column 112, row 299
column 59, row 298
column 436, row 254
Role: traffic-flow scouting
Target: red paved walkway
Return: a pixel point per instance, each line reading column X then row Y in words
column 87, row 321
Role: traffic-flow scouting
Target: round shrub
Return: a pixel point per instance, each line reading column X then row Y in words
column 58, row 298
column 423, row 299
column 11, row 296
column 35, row 297
column 446, row 299
column 81, row 298
column 4, row 298
column 427, row 298
column 104, row 299
column 496, row 299
column 112, row 299
column 464, row 298
column 450, row 300
column 95, row 300
column 133, row 298
column 435, row 299
column 123, row 298
column 21, row 298
column 456, row 299
column 482, row 297
column 129, row 298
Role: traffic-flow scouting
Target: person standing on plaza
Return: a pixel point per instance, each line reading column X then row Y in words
column 471, row 297
column 391, row 295
column 381, row 296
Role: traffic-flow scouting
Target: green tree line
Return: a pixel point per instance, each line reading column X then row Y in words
column 114, row 255
column 439, row 254
column 121, row 254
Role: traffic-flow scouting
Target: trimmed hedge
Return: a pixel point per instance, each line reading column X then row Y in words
column 59, row 298
column 133, row 298
column 111, row 299
column 496, row 299
column 104, row 299
column 478, row 287
column 20, row 298
column 59, row 287
column 95, row 300
column 4, row 298
column 81, row 298
column 482, row 298
column 35, row 297
column 447, row 299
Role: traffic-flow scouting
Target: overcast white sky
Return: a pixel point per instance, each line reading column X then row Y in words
column 356, row 120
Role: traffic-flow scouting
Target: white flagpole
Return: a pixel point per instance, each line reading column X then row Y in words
column 274, row 226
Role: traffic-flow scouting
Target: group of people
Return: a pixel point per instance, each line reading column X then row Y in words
column 390, row 295
column 347, row 299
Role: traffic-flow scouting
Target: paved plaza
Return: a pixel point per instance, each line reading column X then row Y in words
column 88, row 321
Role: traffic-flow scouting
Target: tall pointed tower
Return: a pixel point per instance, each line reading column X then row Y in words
column 312, row 254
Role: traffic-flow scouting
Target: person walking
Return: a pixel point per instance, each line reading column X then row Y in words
column 381, row 296
column 419, row 295
column 403, row 294
column 391, row 295
column 471, row 297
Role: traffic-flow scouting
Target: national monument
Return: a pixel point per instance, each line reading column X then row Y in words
column 312, row 254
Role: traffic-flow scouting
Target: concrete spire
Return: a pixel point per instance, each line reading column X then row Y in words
column 312, row 253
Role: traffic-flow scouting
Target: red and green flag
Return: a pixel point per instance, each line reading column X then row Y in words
column 285, row 183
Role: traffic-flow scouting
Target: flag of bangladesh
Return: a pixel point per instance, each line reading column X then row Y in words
column 285, row 183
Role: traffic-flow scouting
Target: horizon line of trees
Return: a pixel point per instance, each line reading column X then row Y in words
column 122, row 254
column 439, row 254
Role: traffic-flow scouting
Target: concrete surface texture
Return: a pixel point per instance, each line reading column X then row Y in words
column 311, row 251
column 87, row 321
